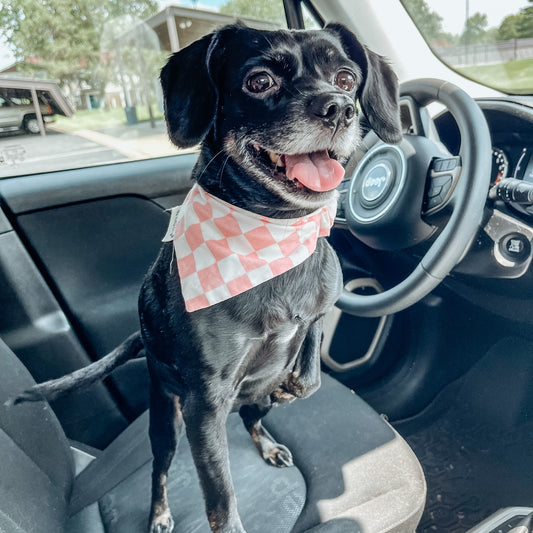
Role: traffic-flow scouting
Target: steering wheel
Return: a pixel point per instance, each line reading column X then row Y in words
column 395, row 189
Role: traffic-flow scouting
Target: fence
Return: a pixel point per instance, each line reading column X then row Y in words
column 486, row 53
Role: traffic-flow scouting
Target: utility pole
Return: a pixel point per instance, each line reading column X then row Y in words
column 467, row 16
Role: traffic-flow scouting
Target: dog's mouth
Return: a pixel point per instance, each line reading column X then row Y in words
column 315, row 171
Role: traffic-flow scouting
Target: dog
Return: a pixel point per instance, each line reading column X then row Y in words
column 276, row 113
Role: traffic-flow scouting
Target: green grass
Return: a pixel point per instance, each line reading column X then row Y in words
column 513, row 76
column 97, row 119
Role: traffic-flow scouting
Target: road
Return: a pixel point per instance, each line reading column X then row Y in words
column 22, row 154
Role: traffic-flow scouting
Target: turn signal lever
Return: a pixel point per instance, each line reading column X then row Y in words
column 513, row 190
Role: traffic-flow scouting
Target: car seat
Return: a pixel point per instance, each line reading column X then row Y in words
column 353, row 472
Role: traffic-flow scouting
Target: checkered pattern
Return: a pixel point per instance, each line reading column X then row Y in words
column 222, row 250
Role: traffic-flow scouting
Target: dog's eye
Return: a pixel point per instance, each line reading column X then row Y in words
column 345, row 80
column 259, row 82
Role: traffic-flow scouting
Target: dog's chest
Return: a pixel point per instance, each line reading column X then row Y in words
column 291, row 300
column 252, row 341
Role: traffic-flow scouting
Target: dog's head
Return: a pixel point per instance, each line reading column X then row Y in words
column 279, row 108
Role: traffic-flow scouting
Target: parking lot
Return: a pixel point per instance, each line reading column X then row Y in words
column 21, row 153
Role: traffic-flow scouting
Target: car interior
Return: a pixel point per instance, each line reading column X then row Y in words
column 424, row 420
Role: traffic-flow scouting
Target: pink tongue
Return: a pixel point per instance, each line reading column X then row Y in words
column 317, row 171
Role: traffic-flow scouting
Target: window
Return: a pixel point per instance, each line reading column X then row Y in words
column 312, row 20
column 93, row 71
column 489, row 42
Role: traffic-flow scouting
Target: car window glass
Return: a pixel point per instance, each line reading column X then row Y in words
column 92, row 73
column 311, row 18
column 489, row 42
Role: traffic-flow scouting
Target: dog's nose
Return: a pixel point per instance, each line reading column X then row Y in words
column 333, row 109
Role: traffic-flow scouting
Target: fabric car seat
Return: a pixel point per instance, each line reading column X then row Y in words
column 353, row 472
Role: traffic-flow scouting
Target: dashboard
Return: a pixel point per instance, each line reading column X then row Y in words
column 510, row 124
column 503, row 287
column 524, row 167
column 503, row 248
column 516, row 166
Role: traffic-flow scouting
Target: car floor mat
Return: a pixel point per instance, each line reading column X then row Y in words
column 474, row 441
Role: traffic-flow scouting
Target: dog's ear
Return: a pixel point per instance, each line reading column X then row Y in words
column 190, row 95
column 378, row 93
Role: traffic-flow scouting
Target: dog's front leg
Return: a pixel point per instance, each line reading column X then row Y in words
column 304, row 378
column 166, row 427
column 205, row 423
column 272, row 452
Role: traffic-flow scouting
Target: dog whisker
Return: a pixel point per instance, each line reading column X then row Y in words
column 221, row 173
column 209, row 163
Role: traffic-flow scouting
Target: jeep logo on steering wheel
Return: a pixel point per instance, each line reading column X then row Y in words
column 376, row 182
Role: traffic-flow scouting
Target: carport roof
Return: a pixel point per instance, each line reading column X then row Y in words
column 49, row 87
column 177, row 27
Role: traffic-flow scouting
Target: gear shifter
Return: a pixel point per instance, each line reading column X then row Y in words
column 524, row 526
column 507, row 520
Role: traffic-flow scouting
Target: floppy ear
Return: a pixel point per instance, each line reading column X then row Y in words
column 378, row 93
column 189, row 93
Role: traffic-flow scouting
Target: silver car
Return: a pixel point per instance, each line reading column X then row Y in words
column 18, row 113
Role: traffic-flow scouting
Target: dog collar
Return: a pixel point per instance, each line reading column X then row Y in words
column 223, row 250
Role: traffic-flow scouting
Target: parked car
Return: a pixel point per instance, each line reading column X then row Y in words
column 22, row 100
column 424, row 421
column 19, row 114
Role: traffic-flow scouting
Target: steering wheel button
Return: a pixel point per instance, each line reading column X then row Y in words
column 441, row 181
column 438, row 165
column 445, row 165
column 434, row 202
column 434, row 191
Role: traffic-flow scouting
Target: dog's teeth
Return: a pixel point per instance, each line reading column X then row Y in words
column 273, row 157
column 277, row 159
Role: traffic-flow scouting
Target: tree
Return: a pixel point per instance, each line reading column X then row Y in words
column 475, row 30
column 519, row 26
column 428, row 22
column 525, row 23
column 271, row 11
column 63, row 36
column 508, row 28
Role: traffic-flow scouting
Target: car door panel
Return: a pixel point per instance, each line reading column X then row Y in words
column 34, row 325
column 151, row 178
column 88, row 237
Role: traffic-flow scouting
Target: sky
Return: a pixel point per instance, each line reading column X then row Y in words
column 452, row 11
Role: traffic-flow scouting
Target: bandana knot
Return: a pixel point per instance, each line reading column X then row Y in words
column 223, row 250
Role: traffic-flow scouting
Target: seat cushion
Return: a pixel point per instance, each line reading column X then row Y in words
column 360, row 474
column 265, row 494
column 353, row 473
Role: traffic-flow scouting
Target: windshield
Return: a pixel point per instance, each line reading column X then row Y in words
column 490, row 42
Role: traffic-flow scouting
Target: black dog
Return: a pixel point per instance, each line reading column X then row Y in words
column 274, row 110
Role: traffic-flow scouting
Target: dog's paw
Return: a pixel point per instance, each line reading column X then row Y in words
column 279, row 456
column 219, row 522
column 162, row 524
column 280, row 395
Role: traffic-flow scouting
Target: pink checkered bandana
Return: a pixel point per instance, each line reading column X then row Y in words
column 223, row 250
